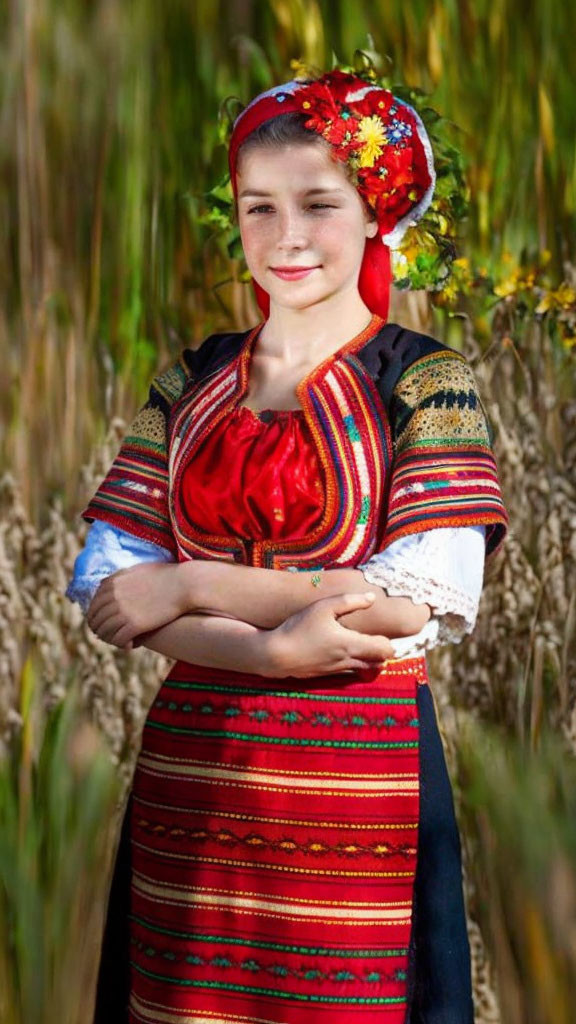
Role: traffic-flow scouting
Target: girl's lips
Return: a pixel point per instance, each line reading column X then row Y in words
column 293, row 275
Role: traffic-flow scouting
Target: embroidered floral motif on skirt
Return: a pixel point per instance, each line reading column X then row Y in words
column 274, row 839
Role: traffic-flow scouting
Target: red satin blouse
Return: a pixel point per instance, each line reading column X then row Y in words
column 256, row 476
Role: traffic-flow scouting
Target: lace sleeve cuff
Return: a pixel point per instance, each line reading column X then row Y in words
column 442, row 568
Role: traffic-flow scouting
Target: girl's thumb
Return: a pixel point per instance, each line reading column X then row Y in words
column 351, row 602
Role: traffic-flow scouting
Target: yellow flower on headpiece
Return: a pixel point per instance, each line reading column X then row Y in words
column 371, row 133
column 301, row 69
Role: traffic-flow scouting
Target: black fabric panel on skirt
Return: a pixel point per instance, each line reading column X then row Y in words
column 113, row 990
column 440, row 973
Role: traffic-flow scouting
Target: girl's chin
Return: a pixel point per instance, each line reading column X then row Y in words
column 303, row 302
column 300, row 293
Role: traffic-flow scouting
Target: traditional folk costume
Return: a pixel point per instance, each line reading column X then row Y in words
column 290, row 851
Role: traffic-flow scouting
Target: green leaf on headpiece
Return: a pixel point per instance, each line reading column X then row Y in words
column 227, row 116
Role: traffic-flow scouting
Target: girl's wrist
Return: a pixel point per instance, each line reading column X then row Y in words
column 186, row 591
column 194, row 590
column 269, row 654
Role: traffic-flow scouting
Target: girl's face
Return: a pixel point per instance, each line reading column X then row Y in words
column 297, row 209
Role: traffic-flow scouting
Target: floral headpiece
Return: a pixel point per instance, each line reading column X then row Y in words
column 395, row 152
column 381, row 138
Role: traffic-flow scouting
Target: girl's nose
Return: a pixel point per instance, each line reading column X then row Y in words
column 292, row 229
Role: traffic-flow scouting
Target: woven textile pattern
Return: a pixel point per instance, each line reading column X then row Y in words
column 296, row 809
column 444, row 468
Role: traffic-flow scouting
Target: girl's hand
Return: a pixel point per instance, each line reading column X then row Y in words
column 137, row 600
column 312, row 642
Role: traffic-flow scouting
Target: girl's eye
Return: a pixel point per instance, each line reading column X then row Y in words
column 265, row 206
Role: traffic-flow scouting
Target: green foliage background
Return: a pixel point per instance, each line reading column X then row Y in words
column 109, row 140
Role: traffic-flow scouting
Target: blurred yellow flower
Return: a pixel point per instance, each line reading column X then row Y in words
column 446, row 295
column 301, row 69
column 546, row 302
column 411, row 251
column 507, row 287
column 565, row 296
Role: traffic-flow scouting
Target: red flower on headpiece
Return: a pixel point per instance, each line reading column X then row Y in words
column 317, row 101
column 326, row 117
column 400, row 165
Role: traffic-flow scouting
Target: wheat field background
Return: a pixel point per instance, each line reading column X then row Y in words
column 109, row 139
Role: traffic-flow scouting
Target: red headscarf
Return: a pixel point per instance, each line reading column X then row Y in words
column 382, row 137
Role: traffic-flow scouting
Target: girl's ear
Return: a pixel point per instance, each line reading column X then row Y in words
column 371, row 228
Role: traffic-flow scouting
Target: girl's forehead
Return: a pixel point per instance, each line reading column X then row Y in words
column 291, row 160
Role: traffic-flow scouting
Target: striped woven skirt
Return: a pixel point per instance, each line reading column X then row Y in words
column 275, row 829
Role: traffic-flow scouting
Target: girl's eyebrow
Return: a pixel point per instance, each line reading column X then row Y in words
column 308, row 192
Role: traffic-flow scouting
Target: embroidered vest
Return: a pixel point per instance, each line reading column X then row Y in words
column 401, row 435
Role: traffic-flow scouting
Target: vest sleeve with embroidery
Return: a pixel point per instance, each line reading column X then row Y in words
column 443, row 473
column 134, row 493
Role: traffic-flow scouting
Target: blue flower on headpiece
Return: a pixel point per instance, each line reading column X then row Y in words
column 398, row 130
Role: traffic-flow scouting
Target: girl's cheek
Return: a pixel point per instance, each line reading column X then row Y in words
column 255, row 236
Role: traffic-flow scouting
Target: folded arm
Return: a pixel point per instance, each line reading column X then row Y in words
column 161, row 590
column 440, row 569
column 310, row 643
column 267, row 598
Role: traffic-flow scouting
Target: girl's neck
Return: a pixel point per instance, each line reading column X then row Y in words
column 312, row 334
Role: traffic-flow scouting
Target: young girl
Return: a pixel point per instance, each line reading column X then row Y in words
column 290, row 851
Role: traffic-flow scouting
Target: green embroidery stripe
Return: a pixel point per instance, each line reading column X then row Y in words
column 284, row 741
column 255, row 990
column 250, row 692
column 423, row 362
column 138, row 441
column 280, row 947
column 455, row 506
column 447, row 442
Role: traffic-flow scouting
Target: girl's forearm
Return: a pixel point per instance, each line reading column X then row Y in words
column 213, row 641
column 266, row 597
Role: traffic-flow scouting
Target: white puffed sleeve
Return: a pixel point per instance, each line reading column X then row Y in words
column 443, row 568
column 107, row 549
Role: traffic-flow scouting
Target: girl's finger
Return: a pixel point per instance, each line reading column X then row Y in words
column 123, row 637
column 100, row 622
column 110, row 627
column 99, row 609
column 360, row 664
column 370, row 648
